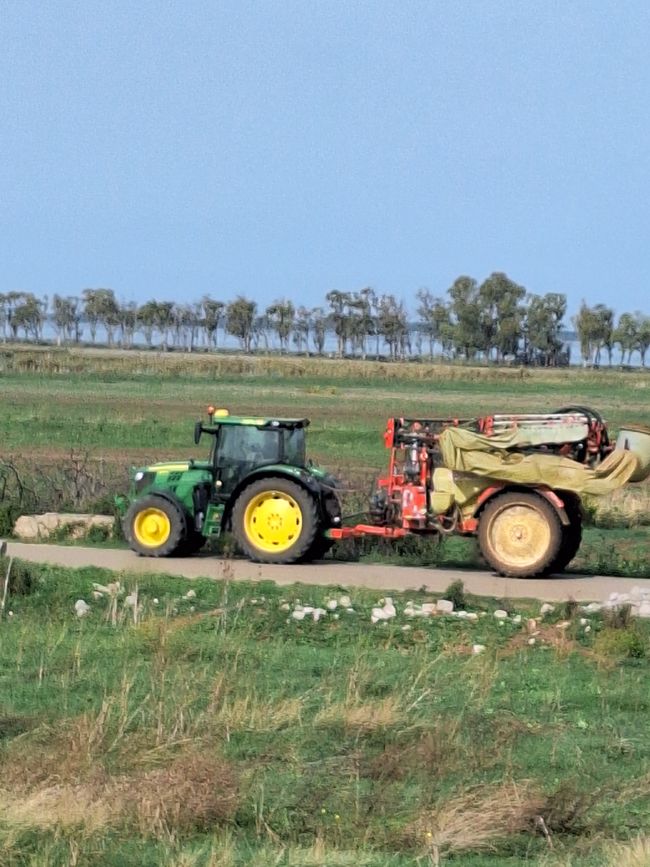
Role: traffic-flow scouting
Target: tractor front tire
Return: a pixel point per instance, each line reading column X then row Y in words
column 520, row 534
column 274, row 520
column 154, row 527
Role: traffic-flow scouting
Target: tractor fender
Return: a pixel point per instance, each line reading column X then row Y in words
column 304, row 479
column 172, row 498
column 553, row 498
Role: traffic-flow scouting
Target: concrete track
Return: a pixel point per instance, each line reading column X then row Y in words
column 381, row 577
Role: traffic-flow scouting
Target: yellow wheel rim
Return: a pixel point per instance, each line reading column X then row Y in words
column 519, row 535
column 273, row 521
column 151, row 527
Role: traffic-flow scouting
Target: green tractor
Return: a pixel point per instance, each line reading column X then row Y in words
column 256, row 483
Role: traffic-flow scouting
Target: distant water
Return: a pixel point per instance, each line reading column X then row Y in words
column 226, row 341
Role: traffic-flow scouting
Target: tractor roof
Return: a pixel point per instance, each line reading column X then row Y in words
column 260, row 421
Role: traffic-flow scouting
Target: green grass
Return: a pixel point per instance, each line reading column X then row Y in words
column 218, row 730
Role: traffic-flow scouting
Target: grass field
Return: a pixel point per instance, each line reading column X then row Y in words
column 129, row 408
column 218, row 730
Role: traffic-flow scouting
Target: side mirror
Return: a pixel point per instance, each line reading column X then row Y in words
column 198, row 430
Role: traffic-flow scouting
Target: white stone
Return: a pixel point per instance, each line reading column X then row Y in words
column 517, row 619
column 308, row 609
column 583, row 621
column 500, row 614
column 472, row 615
column 191, row 594
column 378, row 614
column 350, row 610
column 298, row 614
column 406, row 627
column 587, row 628
column 444, row 606
column 427, row 608
column 26, row 528
column 97, row 594
column 644, row 609
column 30, row 528
column 317, row 613
column 546, row 608
column 332, row 605
column 156, row 601
column 532, row 641
column 389, row 609
column 10, row 613
column 285, row 607
column 531, row 625
column 462, row 615
column 345, row 602
column 131, row 601
column 81, row 608
column 592, row 607
column 478, row 648
column 335, row 616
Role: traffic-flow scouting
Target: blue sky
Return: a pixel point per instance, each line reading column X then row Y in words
column 276, row 148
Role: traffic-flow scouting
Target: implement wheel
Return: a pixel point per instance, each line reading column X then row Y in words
column 520, row 534
column 275, row 521
column 154, row 526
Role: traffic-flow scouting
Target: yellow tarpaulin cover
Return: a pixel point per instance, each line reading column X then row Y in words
column 469, row 452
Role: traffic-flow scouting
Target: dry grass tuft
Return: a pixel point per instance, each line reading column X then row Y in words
column 364, row 716
column 251, row 714
column 58, row 806
column 635, row 854
column 477, row 819
column 194, row 793
column 627, row 507
column 436, row 752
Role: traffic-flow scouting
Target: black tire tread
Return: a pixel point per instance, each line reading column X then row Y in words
column 571, row 535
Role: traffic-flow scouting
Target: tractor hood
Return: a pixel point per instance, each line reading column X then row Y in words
column 168, row 467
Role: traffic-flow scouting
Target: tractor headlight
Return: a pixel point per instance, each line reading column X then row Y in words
column 143, row 480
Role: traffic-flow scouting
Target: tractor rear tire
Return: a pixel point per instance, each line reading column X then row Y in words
column 520, row 534
column 154, row 527
column 274, row 520
column 571, row 535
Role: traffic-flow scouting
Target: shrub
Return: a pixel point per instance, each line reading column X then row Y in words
column 620, row 644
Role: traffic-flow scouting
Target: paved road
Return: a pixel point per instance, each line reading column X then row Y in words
column 381, row 577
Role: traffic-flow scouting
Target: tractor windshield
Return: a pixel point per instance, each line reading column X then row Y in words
column 243, row 444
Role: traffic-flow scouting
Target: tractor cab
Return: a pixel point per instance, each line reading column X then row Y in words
column 243, row 444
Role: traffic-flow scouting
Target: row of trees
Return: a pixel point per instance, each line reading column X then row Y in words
column 494, row 320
